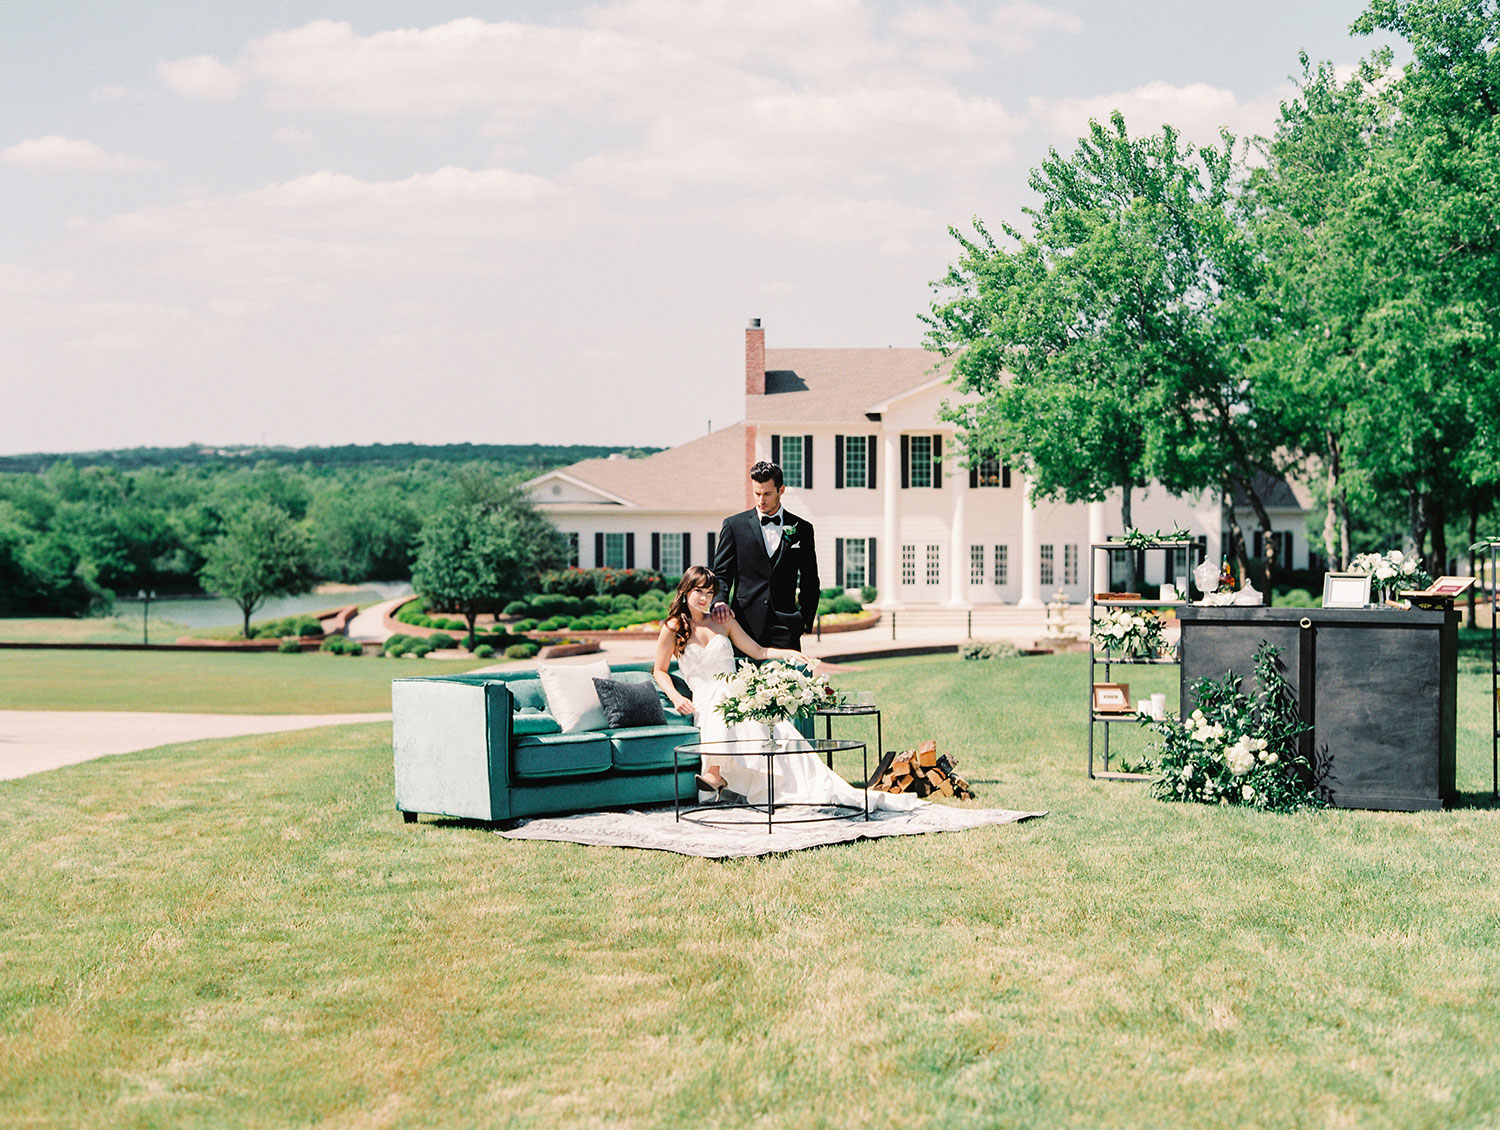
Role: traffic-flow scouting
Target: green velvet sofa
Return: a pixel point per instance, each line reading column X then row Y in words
column 484, row 747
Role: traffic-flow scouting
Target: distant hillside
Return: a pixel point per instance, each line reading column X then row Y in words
column 512, row 456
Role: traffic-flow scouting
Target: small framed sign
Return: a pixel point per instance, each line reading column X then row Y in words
column 1111, row 698
column 1346, row 590
column 1450, row 586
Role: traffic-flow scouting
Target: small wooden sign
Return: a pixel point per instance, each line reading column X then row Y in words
column 1111, row 698
column 1117, row 596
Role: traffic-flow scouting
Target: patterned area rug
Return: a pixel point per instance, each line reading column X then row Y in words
column 731, row 833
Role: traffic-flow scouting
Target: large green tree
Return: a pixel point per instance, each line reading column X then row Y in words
column 1094, row 347
column 263, row 552
column 478, row 554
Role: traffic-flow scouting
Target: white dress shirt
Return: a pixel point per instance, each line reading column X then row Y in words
column 771, row 531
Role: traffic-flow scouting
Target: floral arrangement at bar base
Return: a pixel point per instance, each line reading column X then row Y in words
column 1391, row 572
column 1235, row 750
column 1134, row 635
column 773, row 692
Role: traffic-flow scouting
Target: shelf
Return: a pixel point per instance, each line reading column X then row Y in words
column 1131, row 717
column 1137, row 661
column 1143, row 603
column 1107, row 776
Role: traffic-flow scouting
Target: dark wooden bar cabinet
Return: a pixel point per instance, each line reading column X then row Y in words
column 1378, row 685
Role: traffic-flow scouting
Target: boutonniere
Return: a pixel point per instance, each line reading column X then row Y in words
column 789, row 530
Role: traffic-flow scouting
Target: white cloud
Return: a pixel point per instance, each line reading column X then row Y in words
column 1197, row 110
column 201, row 76
column 309, row 236
column 892, row 227
column 956, row 30
column 57, row 153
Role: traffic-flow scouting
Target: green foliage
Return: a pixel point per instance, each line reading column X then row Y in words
column 608, row 582
column 525, row 625
column 262, row 553
column 480, row 555
column 987, row 649
column 342, row 645
column 289, row 646
column 867, row 594
column 516, row 608
column 288, row 626
column 521, row 650
column 441, row 640
column 484, row 651
column 845, row 604
column 1234, row 749
column 830, row 594
column 623, row 603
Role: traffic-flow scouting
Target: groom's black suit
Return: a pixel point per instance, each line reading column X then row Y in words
column 775, row 597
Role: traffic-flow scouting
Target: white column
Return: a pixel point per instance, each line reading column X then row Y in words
column 889, row 565
column 1096, row 535
column 958, row 549
column 1031, row 560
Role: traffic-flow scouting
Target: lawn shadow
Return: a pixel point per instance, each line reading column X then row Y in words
column 1482, row 799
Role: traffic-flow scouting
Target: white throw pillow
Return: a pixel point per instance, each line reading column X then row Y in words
column 571, row 697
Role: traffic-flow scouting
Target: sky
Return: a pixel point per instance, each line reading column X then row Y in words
column 303, row 222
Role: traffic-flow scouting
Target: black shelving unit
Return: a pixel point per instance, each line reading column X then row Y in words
column 1493, row 597
column 1101, row 659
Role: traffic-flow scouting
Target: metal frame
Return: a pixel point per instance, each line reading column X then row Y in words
column 854, row 710
column 1105, row 720
column 1493, row 545
column 769, row 749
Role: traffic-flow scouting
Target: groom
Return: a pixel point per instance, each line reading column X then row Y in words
column 765, row 557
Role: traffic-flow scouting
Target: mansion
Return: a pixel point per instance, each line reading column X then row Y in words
column 869, row 463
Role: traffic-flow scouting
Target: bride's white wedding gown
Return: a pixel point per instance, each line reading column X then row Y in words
column 801, row 778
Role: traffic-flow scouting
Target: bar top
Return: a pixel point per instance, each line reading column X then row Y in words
column 1282, row 614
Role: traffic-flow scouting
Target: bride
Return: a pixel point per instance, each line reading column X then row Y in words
column 703, row 651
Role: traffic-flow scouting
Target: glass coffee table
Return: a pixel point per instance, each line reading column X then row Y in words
column 755, row 747
column 852, row 710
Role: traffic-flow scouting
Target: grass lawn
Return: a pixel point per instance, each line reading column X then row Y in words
column 199, row 682
column 87, row 629
column 243, row 933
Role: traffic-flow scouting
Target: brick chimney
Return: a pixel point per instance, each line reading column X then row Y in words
column 755, row 359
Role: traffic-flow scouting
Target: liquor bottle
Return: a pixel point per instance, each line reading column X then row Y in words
column 1226, row 579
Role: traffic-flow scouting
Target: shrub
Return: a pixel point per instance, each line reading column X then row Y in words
column 483, row 651
column 830, row 594
column 825, row 606
column 987, row 649
column 527, row 625
column 396, row 644
column 867, row 594
column 420, row 650
column 623, row 603
column 553, row 624
column 441, row 639
column 342, row 645
column 596, row 604
column 653, row 599
column 1299, row 598
column 569, row 582
column 846, row 604
column 515, row 608
column 289, row 646
column 521, row 651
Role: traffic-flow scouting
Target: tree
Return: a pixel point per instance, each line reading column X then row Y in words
column 363, row 532
column 1094, row 348
column 479, row 556
column 262, row 553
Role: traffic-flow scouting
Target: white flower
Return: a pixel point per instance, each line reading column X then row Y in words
column 1270, row 757
column 1247, row 792
column 1240, row 759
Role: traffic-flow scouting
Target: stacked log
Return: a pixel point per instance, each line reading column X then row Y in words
column 922, row 771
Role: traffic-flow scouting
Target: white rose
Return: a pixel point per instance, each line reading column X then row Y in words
column 1247, row 792
column 1271, row 758
column 1240, row 761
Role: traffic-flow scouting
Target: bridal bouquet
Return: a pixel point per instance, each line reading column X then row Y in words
column 774, row 691
column 1132, row 634
column 1233, row 750
column 1391, row 572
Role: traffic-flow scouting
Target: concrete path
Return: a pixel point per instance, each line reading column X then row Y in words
column 370, row 624
column 35, row 740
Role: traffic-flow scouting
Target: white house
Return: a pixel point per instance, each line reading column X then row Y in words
column 868, row 462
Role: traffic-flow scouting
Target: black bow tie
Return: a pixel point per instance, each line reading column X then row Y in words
column 768, row 519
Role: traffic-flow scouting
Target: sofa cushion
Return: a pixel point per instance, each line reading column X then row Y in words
column 571, row 697
column 526, row 693
column 533, row 721
column 629, row 704
column 560, row 755
column 650, row 747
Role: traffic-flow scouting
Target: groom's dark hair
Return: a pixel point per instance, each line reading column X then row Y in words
column 766, row 472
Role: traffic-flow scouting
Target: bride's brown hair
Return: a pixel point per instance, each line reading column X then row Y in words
column 696, row 577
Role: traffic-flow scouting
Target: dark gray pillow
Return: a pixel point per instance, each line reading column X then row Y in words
column 629, row 704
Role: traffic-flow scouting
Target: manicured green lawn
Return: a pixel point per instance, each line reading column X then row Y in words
column 88, row 629
column 205, row 682
column 243, row 933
